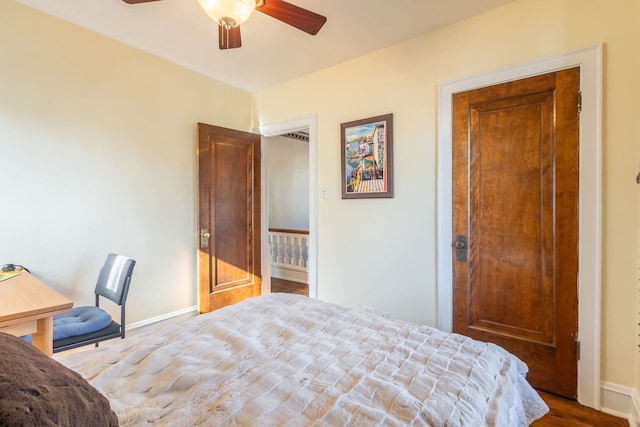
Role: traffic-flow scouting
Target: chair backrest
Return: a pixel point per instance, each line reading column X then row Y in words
column 114, row 278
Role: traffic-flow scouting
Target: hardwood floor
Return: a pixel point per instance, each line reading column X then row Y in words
column 566, row 413
column 287, row 287
column 562, row 412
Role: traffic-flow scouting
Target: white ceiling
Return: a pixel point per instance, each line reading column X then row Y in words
column 271, row 52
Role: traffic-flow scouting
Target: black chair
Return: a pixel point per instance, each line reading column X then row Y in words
column 91, row 325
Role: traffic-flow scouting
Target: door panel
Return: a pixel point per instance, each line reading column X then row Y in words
column 229, row 208
column 515, row 199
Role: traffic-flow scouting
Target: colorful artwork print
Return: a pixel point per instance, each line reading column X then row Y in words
column 366, row 158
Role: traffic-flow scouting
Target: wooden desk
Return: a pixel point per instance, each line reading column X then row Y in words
column 27, row 306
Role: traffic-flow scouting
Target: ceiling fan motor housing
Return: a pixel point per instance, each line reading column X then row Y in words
column 229, row 13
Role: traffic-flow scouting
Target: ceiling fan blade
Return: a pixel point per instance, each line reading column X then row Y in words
column 302, row 19
column 229, row 39
column 137, row 1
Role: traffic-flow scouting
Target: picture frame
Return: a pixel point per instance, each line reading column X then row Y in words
column 366, row 153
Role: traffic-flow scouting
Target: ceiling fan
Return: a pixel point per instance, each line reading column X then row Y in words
column 229, row 14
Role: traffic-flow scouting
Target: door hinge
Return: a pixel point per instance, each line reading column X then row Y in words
column 579, row 102
column 578, row 349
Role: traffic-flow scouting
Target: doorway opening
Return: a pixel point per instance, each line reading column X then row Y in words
column 287, row 194
column 289, row 206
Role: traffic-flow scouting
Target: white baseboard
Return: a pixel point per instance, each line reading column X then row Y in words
column 189, row 311
column 620, row 401
column 290, row 274
column 634, row 418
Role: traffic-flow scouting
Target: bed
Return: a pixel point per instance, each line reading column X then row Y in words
column 288, row 360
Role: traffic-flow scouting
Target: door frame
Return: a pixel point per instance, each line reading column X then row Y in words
column 309, row 123
column 590, row 206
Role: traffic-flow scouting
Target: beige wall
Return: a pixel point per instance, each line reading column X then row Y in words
column 97, row 154
column 381, row 253
column 287, row 169
column 637, row 154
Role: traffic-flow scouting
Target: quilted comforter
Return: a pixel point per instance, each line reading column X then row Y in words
column 288, row 360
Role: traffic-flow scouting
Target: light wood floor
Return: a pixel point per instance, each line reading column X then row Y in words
column 287, row 287
column 562, row 412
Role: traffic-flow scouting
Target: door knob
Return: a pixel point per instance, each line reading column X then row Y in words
column 461, row 248
column 204, row 238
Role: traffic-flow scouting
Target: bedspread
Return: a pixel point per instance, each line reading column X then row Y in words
column 288, row 360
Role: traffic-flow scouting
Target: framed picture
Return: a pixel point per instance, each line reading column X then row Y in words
column 367, row 158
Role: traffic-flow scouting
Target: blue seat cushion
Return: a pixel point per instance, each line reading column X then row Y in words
column 79, row 321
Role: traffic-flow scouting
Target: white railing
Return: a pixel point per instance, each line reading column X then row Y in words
column 289, row 254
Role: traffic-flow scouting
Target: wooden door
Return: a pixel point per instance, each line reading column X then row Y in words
column 229, row 216
column 515, row 204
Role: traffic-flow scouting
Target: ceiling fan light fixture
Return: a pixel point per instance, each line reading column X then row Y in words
column 228, row 13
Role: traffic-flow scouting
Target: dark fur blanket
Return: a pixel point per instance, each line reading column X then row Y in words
column 36, row 390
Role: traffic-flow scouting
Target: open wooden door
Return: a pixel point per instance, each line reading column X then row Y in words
column 515, row 222
column 228, row 216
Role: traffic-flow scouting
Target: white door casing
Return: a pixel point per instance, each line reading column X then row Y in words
column 590, row 212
